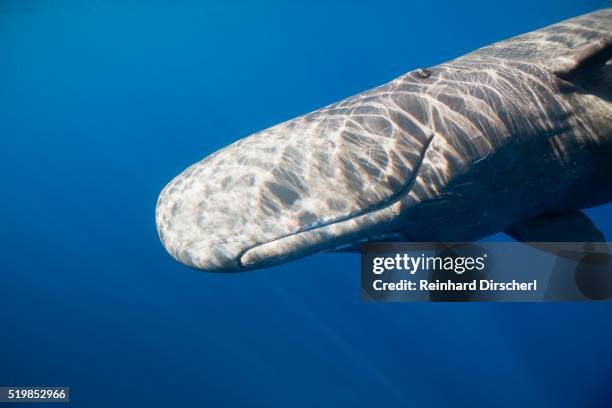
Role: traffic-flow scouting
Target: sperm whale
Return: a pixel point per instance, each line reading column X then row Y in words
column 499, row 139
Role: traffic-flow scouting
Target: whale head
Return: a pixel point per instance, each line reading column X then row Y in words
column 327, row 179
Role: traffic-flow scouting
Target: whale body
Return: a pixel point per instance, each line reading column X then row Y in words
column 495, row 140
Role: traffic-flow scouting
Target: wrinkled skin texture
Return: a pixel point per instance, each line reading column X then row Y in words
column 453, row 152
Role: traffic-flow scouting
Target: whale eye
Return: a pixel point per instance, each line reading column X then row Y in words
column 423, row 73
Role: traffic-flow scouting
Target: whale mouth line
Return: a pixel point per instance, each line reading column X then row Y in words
column 244, row 265
column 293, row 235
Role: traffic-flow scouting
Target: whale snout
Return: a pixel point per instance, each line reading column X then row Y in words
column 192, row 237
column 224, row 214
column 214, row 236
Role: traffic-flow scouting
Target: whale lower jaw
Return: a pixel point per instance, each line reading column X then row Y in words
column 322, row 238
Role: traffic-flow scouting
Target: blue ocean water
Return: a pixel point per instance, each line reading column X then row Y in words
column 103, row 102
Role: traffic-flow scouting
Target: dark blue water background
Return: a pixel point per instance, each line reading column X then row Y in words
column 103, row 102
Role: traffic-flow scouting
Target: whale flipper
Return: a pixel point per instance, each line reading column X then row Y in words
column 572, row 226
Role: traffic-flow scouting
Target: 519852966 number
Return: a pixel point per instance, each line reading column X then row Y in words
column 38, row 394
